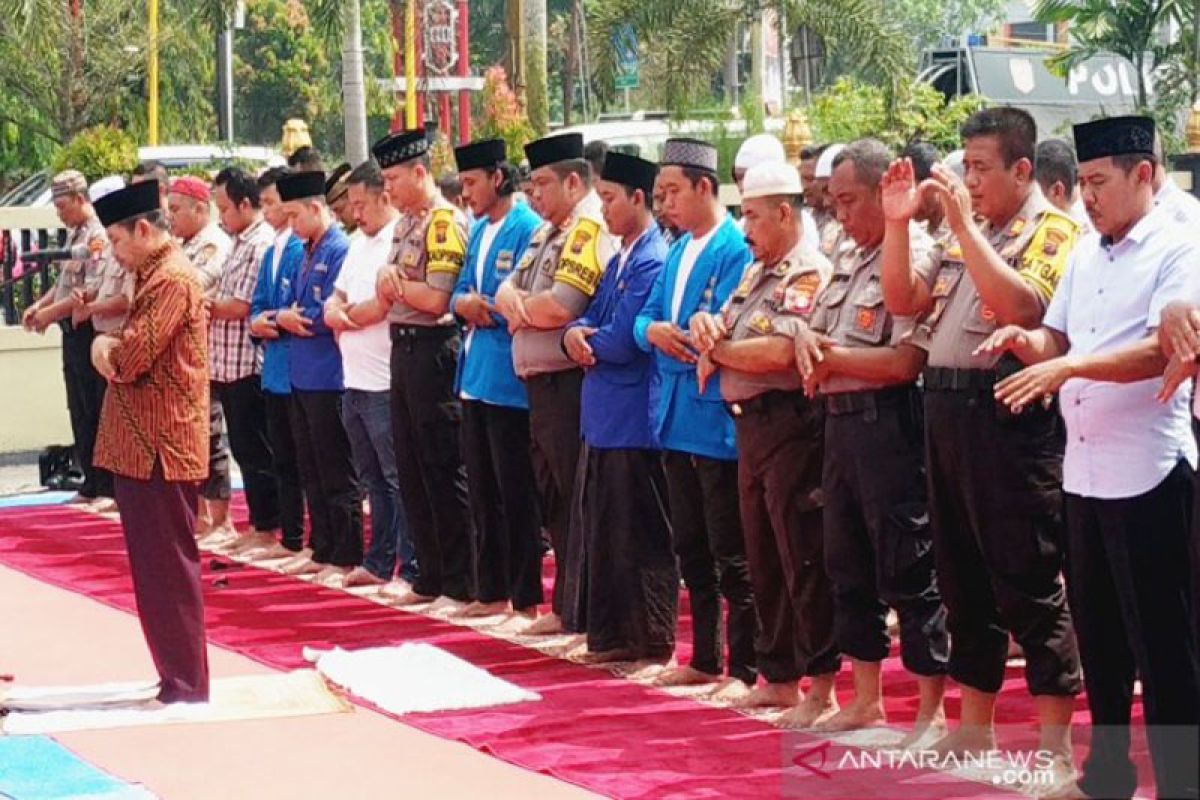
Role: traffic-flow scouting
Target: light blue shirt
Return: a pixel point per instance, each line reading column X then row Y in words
column 1121, row 442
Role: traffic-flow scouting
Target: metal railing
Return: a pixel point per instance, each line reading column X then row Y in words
column 22, row 231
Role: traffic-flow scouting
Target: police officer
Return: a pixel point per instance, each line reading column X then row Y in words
column 64, row 304
column 495, row 442
column 1130, row 461
column 632, row 578
column 780, row 442
column 877, row 544
column 994, row 477
column 550, row 288
column 415, row 292
column 828, row 227
column 701, row 270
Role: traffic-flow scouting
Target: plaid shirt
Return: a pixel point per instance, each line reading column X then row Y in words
column 232, row 354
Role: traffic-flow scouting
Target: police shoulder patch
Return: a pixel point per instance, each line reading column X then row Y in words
column 1045, row 258
column 801, row 291
column 579, row 263
column 444, row 242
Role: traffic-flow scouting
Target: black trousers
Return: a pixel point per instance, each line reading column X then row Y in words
column 506, row 547
column 878, row 548
column 335, row 509
column 246, row 420
column 277, row 408
column 780, row 446
column 1130, row 590
column 158, row 518
column 633, row 581
column 995, row 502
column 706, row 529
column 217, row 486
column 85, row 396
column 554, row 401
column 426, row 417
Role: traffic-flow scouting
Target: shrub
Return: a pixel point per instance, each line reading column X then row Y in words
column 99, row 151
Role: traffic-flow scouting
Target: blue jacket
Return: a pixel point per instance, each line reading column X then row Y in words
column 620, row 393
column 687, row 420
column 315, row 361
column 485, row 369
column 273, row 295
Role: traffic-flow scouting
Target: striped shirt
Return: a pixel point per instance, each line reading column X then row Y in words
column 233, row 355
column 156, row 406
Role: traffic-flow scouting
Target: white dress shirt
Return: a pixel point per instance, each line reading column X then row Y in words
column 687, row 262
column 366, row 352
column 1121, row 442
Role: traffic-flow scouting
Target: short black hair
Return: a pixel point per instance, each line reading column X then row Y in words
column 1014, row 128
column 306, row 159
column 870, row 157
column 923, row 156
column 1128, row 161
column 1056, row 163
column 595, row 152
column 576, row 166
column 271, row 177
column 239, row 186
column 697, row 174
column 151, row 169
column 450, row 187
column 812, row 151
column 366, row 174
column 156, row 218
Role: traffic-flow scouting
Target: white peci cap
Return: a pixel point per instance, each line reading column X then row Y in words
column 106, row 185
column 759, row 149
column 825, row 162
column 771, row 179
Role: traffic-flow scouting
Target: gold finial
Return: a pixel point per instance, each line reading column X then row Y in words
column 295, row 136
column 796, row 135
column 1193, row 129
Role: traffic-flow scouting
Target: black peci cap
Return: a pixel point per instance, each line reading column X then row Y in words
column 631, row 171
column 553, row 149
column 300, row 186
column 1114, row 136
column 132, row 201
column 396, row 148
column 484, row 154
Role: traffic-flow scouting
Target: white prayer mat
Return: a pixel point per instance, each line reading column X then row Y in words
column 415, row 678
column 293, row 694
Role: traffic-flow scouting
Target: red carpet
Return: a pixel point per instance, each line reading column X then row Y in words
column 608, row 735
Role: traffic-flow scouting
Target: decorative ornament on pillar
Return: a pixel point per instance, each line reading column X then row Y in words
column 439, row 30
column 1193, row 129
column 796, row 135
column 295, row 136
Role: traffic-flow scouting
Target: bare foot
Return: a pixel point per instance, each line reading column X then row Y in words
column 548, row 625
column 730, row 690
column 396, row 588
column 361, row 576
column 299, row 564
column 477, row 609
column 525, row 613
column 770, row 695
column 924, row 734
column 966, row 740
column 410, row 598
column 446, row 606
column 1058, row 781
column 332, row 576
column 269, row 553
column 604, row 656
column 809, row 713
column 685, row 676
column 856, row 716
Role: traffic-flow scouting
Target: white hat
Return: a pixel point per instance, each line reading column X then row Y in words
column 954, row 161
column 106, row 185
column 759, row 149
column 825, row 162
column 770, row 179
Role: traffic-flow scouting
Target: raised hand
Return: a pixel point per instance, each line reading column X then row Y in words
column 898, row 186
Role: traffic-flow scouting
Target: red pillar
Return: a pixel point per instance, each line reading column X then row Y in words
column 444, row 114
column 464, row 70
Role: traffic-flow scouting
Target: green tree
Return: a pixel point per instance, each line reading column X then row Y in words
column 1129, row 28
column 928, row 22
column 684, row 41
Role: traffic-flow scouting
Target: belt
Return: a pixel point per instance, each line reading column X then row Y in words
column 949, row 379
column 844, row 403
column 767, row 402
column 408, row 332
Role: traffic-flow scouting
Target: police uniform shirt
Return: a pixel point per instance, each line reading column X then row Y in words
column 429, row 247
column 75, row 274
column 568, row 261
column 1035, row 242
column 1121, row 442
column 850, row 309
column 772, row 301
column 113, row 281
column 207, row 251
